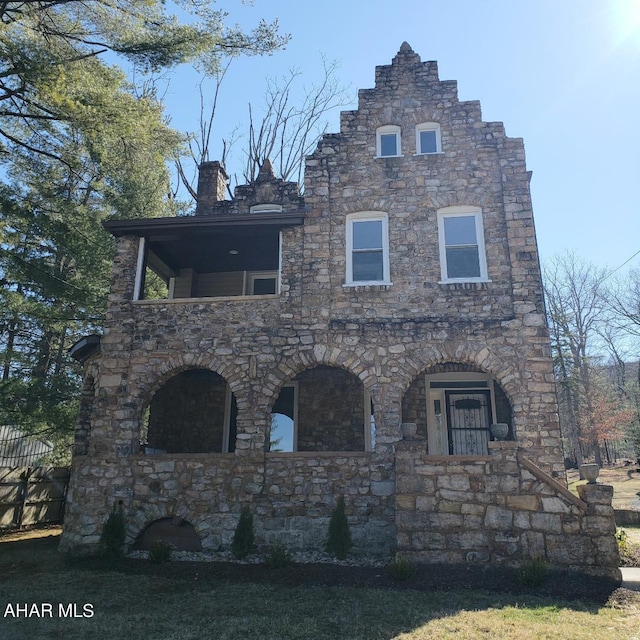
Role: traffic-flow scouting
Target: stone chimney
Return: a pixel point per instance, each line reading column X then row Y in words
column 212, row 185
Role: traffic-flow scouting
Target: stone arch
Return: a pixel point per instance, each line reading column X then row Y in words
column 457, row 199
column 149, row 512
column 329, row 356
column 327, row 403
column 156, row 376
column 192, row 412
column 503, row 386
column 176, row 531
column 469, row 354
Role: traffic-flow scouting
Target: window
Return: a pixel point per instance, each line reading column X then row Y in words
column 262, row 283
column 461, row 238
column 388, row 141
column 428, row 138
column 284, row 419
column 266, row 208
column 367, row 248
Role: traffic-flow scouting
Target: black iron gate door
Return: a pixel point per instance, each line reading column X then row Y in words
column 469, row 418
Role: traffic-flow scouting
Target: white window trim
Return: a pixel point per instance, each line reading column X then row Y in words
column 369, row 426
column 266, row 208
column 459, row 211
column 387, row 130
column 367, row 216
column 226, row 427
column 140, row 267
column 428, row 126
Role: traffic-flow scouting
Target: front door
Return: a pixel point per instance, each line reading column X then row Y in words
column 468, row 417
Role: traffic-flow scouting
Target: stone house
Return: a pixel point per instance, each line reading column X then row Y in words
column 278, row 350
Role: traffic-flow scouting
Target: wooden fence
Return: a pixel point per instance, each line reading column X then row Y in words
column 32, row 495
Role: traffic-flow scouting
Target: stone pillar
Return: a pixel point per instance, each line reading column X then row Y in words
column 600, row 525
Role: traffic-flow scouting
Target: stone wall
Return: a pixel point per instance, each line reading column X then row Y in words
column 500, row 509
column 291, row 496
column 186, row 415
column 330, row 410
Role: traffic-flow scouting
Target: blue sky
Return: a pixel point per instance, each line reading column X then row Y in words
column 562, row 74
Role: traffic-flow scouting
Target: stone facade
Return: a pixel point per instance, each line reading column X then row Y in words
column 413, row 341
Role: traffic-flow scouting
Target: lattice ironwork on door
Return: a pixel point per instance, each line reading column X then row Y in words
column 469, row 418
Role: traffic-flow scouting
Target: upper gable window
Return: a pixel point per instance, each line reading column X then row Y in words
column 388, row 141
column 367, row 248
column 266, row 208
column 461, row 239
column 428, row 138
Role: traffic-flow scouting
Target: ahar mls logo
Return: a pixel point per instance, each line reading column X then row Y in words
column 48, row 610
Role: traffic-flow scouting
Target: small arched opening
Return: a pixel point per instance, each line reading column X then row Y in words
column 177, row 532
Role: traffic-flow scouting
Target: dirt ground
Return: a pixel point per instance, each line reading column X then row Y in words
column 427, row 577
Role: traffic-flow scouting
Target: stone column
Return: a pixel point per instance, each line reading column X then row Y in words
column 600, row 524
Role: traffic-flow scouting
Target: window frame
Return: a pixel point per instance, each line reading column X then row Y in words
column 265, row 208
column 428, row 126
column 252, row 276
column 459, row 212
column 388, row 129
column 293, row 384
column 367, row 216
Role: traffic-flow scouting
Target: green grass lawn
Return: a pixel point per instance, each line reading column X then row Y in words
column 137, row 600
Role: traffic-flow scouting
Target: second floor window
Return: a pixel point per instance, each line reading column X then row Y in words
column 367, row 249
column 461, row 239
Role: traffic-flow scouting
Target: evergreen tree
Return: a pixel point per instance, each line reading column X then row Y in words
column 339, row 542
column 243, row 538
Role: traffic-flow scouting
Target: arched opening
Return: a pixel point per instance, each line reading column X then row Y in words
column 174, row 531
column 193, row 412
column 322, row 409
column 454, row 406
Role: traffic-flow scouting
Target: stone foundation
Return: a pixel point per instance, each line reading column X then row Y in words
column 501, row 510
column 291, row 496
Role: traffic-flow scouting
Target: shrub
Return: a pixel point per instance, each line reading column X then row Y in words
column 243, row 538
column 160, row 550
column 623, row 541
column 339, row 541
column 533, row 573
column 277, row 557
column 402, row 569
column 113, row 533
